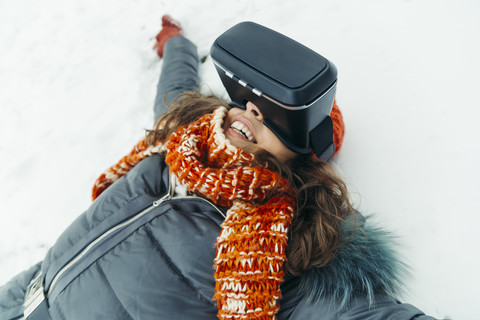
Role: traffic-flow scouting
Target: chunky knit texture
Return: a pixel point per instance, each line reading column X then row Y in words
column 251, row 245
column 139, row 152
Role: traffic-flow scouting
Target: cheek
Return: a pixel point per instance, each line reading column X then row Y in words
column 230, row 115
column 233, row 112
column 277, row 148
column 227, row 121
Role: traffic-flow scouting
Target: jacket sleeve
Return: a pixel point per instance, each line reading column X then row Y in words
column 12, row 294
column 384, row 308
column 359, row 309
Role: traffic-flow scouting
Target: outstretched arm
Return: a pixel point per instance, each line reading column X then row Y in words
column 180, row 64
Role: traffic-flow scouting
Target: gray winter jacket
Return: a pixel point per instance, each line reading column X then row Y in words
column 139, row 254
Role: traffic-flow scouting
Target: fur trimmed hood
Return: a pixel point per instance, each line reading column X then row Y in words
column 366, row 265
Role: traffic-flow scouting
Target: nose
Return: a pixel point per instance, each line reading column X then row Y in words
column 253, row 109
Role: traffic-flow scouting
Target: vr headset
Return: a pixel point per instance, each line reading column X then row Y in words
column 293, row 86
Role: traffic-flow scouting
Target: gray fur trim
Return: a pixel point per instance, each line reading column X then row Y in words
column 366, row 265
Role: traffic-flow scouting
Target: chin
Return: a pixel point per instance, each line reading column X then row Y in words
column 239, row 143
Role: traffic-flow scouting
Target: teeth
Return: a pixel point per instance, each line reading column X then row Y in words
column 240, row 127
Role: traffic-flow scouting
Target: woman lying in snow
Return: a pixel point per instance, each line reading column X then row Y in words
column 221, row 211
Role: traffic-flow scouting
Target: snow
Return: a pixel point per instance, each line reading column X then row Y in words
column 78, row 79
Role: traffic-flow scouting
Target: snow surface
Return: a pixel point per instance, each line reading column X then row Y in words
column 78, row 78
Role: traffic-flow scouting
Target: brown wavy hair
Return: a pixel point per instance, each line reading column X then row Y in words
column 322, row 201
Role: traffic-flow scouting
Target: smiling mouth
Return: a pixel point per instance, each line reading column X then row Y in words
column 242, row 129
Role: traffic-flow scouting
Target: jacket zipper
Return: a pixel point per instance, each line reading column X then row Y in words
column 202, row 199
column 85, row 251
column 80, row 255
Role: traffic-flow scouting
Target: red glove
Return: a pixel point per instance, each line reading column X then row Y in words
column 170, row 28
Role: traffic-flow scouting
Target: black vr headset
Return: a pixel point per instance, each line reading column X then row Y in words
column 293, row 86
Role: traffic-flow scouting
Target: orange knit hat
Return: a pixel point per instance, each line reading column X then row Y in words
column 338, row 127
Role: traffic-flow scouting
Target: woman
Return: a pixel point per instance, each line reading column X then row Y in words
column 213, row 186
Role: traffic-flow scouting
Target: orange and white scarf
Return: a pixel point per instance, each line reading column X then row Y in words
column 251, row 245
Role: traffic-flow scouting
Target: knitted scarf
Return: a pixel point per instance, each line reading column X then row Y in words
column 251, row 245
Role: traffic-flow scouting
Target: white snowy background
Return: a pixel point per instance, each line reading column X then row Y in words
column 78, row 80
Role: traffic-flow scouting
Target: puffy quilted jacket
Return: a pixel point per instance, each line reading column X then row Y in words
column 138, row 253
